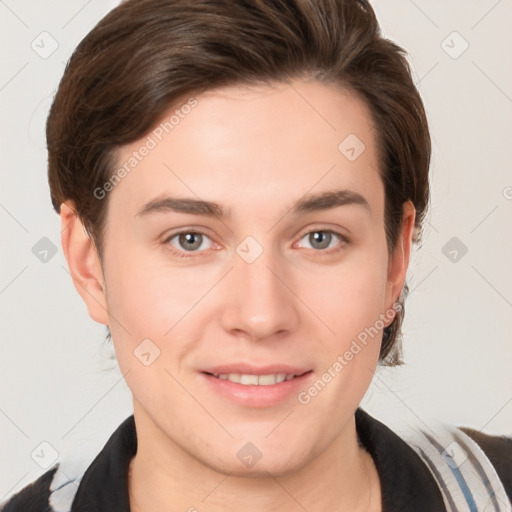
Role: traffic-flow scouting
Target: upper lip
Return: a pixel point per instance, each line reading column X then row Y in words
column 248, row 369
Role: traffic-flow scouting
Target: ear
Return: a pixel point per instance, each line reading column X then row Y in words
column 84, row 263
column 399, row 260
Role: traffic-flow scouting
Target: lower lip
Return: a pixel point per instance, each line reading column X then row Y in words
column 257, row 396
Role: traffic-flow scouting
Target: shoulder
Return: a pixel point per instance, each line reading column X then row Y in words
column 87, row 463
column 498, row 450
column 472, row 469
column 468, row 468
column 32, row 498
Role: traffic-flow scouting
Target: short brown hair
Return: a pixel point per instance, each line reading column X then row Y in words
column 146, row 55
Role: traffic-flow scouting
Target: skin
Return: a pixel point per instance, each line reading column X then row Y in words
column 254, row 151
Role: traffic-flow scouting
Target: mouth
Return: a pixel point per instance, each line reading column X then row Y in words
column 257, row 388
column 266, row 379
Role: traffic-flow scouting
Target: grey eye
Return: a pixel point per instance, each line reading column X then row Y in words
column 190, row 241
column 320, row 239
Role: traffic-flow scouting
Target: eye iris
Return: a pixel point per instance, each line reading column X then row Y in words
column 320, row 239
column 190, row 241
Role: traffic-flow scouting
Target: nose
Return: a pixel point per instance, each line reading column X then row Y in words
column 260, row 302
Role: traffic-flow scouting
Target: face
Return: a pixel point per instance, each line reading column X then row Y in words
column 249, row 241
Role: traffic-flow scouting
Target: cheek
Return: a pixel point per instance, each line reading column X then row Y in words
column 350, row 296
column 349, row 299
column 152, row 301
column 150, row 298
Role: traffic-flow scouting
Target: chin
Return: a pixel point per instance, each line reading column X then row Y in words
column 278, row 466
column 260, row 458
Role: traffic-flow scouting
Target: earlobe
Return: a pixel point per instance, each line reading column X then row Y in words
column 84, row 263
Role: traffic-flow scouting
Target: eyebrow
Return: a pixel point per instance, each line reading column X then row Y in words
column 309, row 203
column 330, row 199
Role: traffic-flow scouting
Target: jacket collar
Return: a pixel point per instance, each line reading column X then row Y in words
column 406, row 482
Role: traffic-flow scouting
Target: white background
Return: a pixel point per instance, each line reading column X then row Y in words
column 59, row 383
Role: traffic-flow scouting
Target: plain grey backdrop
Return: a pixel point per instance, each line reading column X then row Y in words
column 60, row 385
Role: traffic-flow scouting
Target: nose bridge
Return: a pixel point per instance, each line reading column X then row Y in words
column 261, row 305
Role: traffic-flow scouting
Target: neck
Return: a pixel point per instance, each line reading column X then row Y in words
column 162, row 476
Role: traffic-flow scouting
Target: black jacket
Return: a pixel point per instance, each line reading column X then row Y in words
column 406, row 482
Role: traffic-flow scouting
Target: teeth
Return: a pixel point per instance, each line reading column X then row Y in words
column 249, row 379
column 256, row 380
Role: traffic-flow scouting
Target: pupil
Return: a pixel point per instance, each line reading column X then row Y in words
column 190, row 240
column 320, row 239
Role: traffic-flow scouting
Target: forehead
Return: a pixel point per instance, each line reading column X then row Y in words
column 259, row 145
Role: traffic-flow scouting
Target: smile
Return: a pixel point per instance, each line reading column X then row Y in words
column 257, row 390
column 256, row 386
column 255, row 380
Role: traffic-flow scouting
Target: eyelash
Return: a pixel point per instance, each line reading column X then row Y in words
column 190, row 254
